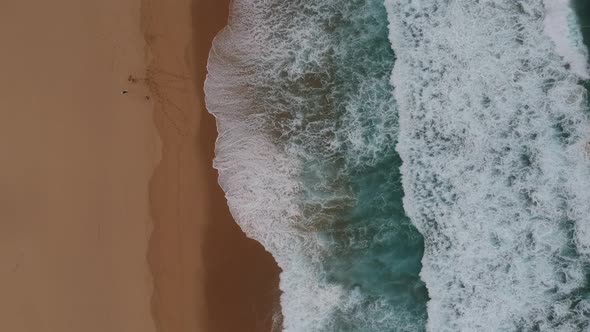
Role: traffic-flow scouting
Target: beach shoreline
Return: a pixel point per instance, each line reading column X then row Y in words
column 223, row 280
column 112, row 219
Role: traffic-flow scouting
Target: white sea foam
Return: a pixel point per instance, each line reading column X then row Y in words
column 561, row 26
column 261, row 178
column 260, row 186
column 493, row 137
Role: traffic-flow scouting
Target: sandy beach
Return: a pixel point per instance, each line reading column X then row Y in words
column 195, row 237
column 111, row 218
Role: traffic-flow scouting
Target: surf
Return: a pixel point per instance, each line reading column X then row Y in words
column 494, row 141
column 306, row 155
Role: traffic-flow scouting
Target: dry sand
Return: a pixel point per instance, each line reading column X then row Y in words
column 76, row 159
column 107, row 221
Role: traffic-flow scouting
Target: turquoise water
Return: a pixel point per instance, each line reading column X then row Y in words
column 315, row 79
column 372, row 248
column 411, row 165
column 582, row 8
column 375, row 249
column 494, row 142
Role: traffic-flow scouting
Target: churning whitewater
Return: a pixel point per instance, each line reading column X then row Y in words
column 306, row 154
column 494, row 141
column 412, row 165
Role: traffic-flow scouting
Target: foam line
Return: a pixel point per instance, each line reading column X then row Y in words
column 561, row 26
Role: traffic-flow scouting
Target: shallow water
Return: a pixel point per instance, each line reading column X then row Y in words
column 479, row 137
column 582, row 9
column 311, row 83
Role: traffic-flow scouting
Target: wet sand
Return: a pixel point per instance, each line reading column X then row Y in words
column 195, row 237
column 110, row 214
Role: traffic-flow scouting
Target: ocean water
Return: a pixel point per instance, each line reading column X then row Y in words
column 307, row 158
column 411, row 165
column 494, row 138
column 582, row 9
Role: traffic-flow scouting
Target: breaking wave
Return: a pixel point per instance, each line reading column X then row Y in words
column 494, row 139
column 476, row 128
column 306, row 155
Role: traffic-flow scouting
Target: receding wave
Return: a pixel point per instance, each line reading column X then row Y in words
column 494, row 136
column 306, row 155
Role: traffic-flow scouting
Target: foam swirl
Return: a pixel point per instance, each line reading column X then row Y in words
column 494, row 141
column 307, row 128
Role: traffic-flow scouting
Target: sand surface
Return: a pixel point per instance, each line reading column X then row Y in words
column 110, row 215
column 76, row 159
